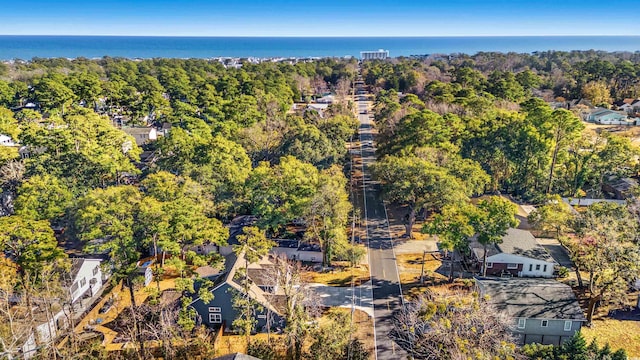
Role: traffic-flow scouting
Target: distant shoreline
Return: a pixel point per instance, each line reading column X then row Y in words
column 27, row 47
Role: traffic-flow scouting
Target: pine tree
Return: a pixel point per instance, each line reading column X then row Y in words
column 575, row 348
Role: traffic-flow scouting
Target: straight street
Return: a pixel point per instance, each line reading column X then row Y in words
column 387, row 294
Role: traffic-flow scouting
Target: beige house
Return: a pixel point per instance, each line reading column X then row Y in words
column 142, row 135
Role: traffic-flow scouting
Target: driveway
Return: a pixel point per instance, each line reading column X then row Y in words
column 557, row 251
column 332, row 296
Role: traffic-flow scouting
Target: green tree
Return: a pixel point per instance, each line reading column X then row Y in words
column 43, row 197
column 331, row 338
column 283, row 192
column 417, row 184
column 555, row 215
column 491, row 220
column 51, row 93
column 606, row 247
column 328, row 213
column 106, row 221
column 453, row 227
column 30, row 245
column 252, row 246
column 598, row 93
column 87, row 86
column 565, row 127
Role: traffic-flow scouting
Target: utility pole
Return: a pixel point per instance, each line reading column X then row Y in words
column 424, row 253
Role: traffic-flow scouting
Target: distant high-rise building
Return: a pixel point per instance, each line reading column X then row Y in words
column 374, row 55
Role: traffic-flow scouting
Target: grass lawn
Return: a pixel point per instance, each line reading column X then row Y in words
column 410, row 265
column 340, row 276
column 620, row 334
column 231, row 344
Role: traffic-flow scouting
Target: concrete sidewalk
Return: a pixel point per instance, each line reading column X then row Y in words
column 335, row 296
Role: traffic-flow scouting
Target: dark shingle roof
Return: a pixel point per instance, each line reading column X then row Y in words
column 531, row 298
column 515, row 242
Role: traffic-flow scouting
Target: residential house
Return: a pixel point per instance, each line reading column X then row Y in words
column 620, row 188
column 86, row 281
column 220, row 310
column 586, row 202
column 297, row 250
column 87, row 278
column 142, row 135
column 145, row 270
column 519, row 254
column 624, row 105
column 320, row 108
column 28, row 151
column 544, row 311
column 30, row 334
column 6, row 140
column 327, row 99
column 608, row 117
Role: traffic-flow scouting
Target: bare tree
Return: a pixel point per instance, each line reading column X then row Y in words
column 15, row 329
column 299, row 302
column 303, row 84
column 453, row 327
column 343, row 90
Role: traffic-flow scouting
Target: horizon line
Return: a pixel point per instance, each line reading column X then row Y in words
column 317, row 36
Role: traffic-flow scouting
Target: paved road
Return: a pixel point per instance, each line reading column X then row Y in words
column 387, row 295
column 359, row 296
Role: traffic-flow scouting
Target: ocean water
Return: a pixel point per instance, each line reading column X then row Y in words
column 27, row 47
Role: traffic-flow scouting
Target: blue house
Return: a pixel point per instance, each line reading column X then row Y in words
column 606, row 116
column 220, row 311
column 543, row 311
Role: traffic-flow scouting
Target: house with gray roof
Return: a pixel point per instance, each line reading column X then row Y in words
column 519, row 254
column 142, row 135
column 220, row 311
column 609, row 117
column 620, row 188
column 544, row 311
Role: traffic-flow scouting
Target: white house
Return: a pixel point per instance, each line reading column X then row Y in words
column 87, row 278
column 296, row 250
column 145, row 269
column 519, row 254
column 142, row 135
column 7, row 141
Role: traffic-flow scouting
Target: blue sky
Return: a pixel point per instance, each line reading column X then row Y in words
column 319, row 17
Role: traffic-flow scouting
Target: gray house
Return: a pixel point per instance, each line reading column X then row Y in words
column 220, row 311
column 544, row 311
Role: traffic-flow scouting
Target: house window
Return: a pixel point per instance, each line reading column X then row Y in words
column 567, row 326
column 262, row 316
column 83, row 282
column 489, row 265
column 512, row 266
column 96, row 269
column 544, row 268
column 214, row 309
column 530, row 267
column 215, row 318
column 545, row 323
column 74, row 288
column 521, row 323
column 537, row 267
